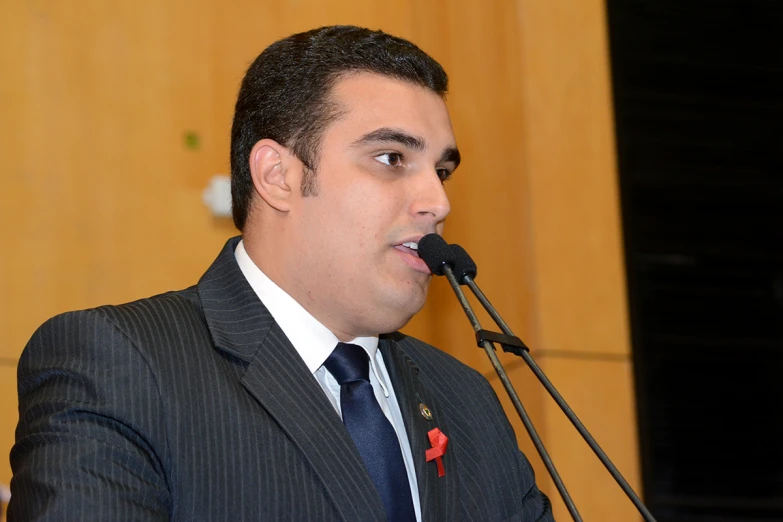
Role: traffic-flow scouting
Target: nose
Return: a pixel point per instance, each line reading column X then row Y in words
column 430, row 200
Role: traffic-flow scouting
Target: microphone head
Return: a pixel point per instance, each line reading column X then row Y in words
column 434, row 250
column 463, row 264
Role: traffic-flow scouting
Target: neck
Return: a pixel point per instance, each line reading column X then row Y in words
column 268, row 252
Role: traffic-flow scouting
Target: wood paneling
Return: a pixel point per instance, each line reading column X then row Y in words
column 598, row 392
column 101, row 195
column 569, row 151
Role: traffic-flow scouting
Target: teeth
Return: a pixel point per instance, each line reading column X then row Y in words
column 411, row 245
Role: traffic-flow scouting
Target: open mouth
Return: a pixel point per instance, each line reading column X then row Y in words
column 412, row 259
column 410, row 247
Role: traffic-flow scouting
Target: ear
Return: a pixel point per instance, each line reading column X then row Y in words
column 270, row 169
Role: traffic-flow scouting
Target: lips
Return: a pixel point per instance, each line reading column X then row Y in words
column 410, row 256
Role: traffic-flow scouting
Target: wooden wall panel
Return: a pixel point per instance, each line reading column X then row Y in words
column 105, row 202
column 597, row 390
column 575, row 224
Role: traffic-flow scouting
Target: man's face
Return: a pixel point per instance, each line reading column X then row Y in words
column 379, row 178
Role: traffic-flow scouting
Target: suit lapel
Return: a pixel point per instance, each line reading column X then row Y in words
column 279, row 380
column 438, row 495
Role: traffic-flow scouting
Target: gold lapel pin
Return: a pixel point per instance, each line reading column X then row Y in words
column 425, row 411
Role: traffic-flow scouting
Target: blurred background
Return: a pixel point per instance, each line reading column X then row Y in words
column 621, row 192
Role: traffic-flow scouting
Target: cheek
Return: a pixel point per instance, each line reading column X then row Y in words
column 361, row 212
column 369, row 215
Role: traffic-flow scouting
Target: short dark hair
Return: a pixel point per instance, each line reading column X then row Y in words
column 285, row 95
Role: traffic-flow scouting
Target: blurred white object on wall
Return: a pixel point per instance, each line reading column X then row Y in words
column 217, row 196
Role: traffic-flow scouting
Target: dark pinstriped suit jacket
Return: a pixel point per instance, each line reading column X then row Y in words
column 194, row 406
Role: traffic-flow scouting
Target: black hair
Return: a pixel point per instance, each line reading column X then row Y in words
column 285, row 95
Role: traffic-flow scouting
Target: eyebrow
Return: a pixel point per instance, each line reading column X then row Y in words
column 387, row 135
column 451, row 154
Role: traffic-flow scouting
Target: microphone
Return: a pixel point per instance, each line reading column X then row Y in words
column 466, row 269
column 442, row 260
column 463, row 264
column 434, row 250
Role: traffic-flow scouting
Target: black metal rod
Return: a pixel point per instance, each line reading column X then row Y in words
column 562, row 403
column 531, row 430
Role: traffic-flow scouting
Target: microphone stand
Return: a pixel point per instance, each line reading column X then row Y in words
column 513, row 344
column 485, row 341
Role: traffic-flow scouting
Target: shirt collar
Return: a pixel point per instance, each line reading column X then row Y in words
column 312, row 340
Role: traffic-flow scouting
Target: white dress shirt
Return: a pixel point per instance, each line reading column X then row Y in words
column 314, row 343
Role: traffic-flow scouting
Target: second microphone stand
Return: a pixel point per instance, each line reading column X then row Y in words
column 513, row 344
column 517, row 347
column 486, row 344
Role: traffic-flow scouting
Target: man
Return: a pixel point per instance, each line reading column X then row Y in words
column 276, row 388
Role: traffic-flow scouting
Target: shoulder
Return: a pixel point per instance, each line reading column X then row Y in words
column 129, row 318
column 163, row 315
column 105, row 333
column 94, row 356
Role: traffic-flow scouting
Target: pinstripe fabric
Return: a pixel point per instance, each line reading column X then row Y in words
column 487, row 477
column 193, row 405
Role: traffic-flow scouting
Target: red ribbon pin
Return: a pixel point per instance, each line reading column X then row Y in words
column 439, row 442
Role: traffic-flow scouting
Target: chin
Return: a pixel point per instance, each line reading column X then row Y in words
column 393, row 326
column 398, row 307
column 401, row 316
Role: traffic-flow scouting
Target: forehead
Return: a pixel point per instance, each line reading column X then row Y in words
column 370, row 101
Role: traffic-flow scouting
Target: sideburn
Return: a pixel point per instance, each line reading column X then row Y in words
column 309, row 185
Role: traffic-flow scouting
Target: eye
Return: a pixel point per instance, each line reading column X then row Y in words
column 443, row 174
column 392, row 159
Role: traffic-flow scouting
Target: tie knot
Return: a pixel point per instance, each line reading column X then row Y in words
column 348, row 363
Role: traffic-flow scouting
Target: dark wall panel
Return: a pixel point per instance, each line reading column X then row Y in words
column 698, row 91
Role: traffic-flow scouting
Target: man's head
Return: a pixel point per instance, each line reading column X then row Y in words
column 340, row 191
column 285, row 95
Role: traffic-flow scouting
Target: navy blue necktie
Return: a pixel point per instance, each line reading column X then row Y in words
column 371, row 431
